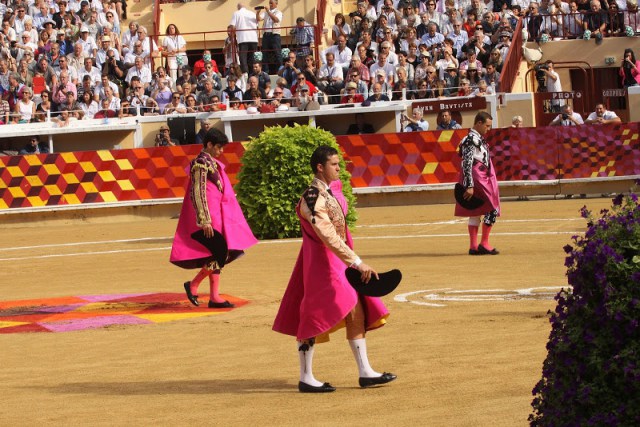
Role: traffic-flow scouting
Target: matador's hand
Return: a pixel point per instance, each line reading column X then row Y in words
column 468, row 194
column 208, row 230
column 366, row 272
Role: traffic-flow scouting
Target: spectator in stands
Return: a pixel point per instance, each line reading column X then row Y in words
column 105, row 83
column 148, row 46
column 377, row 95
column 282, row 84
column 492, row 77
column 63, row 65
column 129, row 37
column 382, row 64
column 341, row 53
column 303, row 38
column 533, row 21
column 206, row 95
column 465, row 88
column 573, row 25
column 403, row 82
column 114, row 101
column 141, row 70
column 632, row 16
column 447, row 58
column 304, row 100
column 302, row 79
column 5, row 112
column 191, row 104
column 76, row 58
column 174, row 49
column 162, row 94
column 616, row 20
column 362, row 87
column 136, row 97
column 230, row 51
column 14, row 93
column 568, row 117
column 88, row 105
column 271, row 39
column 25, row 45
column 209, row 74
column 62, row 88
column 471, row 59
column 44, row 108
column 231, row 90
column 105, row 111
column 415, row 123
column 432, row 37
column 262, row 76
column 351, row 95
column 310, row 71
column 29, row 28
column 41, row 16
column 279, row 101
column 64, row 118
column 245, row 25
column 105, row 48
column 19, row 18
column 160, row 74
column 86, row 86
column 150, row 107
column 602, row 116
column 72, row 106
column 369, row 44
column 88, row 42
column 289, row 70
column 25, row 75
column 34, row 146
column 186, row 77
column 630, row 69
column 205, row 125
column 340, row 28
column 175, row 106
column 330, row 79
column 446, row 122
column 91, row 71
column 25, row 109
column 597, row 21
column 516, row 122
column 363, row 70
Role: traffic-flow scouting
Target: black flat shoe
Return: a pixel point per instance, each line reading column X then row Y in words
column 484, row 251
column 382, row 379
column 324, row 388
column 193, row 298
column 225, row 304
column 473, row 252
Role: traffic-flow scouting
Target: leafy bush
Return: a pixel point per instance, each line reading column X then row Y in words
column 591, row 376
column 275, row 172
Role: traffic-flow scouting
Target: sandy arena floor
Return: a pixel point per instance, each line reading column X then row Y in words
column 465, row 338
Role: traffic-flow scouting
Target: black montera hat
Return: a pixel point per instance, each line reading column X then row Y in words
column 470, row 204
column 386, row 283
column 217, row 245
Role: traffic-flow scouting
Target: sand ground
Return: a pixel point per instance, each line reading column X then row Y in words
column 468, row 362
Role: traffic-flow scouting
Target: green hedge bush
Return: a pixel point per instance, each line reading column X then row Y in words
column 591, row 376
column 275, row 172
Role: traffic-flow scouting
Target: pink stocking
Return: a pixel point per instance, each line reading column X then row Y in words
column 214, row 286
column 473, row 237
column 486, row 231
column 198, row 279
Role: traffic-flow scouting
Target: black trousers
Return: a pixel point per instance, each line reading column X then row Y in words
column 271, row 52
column 245, row 51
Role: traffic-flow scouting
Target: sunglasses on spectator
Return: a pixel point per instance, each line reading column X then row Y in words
column 176, row 97
column 277, row 93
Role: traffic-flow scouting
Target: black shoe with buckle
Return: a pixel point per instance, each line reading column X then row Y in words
column 193, row 298
column 225, row 304
column 484, row 251
column 324, row 388
column 386, row 377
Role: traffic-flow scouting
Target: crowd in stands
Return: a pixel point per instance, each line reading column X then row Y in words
column 66, row 60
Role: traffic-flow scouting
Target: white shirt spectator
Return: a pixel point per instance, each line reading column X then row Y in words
column 246, row 25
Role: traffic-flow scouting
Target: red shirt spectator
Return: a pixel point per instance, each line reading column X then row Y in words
column 198, row 67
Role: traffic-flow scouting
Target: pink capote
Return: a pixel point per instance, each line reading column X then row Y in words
column 485, row 186
column 226, row 217
column 319, row 296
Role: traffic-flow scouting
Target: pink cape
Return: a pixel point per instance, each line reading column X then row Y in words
column 226, row 217
column 319, row 296
column 485, row 186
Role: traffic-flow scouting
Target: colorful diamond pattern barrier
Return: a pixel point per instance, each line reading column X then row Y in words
column 544, row 153
column 75, row 313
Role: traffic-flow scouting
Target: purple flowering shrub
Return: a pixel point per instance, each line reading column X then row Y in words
column 591, row 376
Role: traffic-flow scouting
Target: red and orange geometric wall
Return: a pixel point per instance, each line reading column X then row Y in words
column 374, row 160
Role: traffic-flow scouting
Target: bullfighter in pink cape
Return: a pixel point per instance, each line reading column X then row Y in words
column 478, row 177
column 209, row 204
column 319, row 299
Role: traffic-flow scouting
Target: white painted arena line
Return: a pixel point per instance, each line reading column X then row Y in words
column 265, row 242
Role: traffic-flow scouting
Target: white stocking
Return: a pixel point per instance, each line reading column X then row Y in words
column 359, row 348
column 305, row 353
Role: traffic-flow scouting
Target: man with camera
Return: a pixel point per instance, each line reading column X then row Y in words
column 568, row 117
column 245, row 28
column 163, row 139
column 271, row 41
